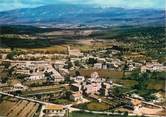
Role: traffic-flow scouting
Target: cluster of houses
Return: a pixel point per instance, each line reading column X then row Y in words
column 153, row 66
column 89, row 86
column 120, row 65
column 36, row 70
column 104, row 59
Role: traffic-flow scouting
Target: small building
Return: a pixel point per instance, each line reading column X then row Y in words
column 59, row 64
column 131, row 67
column 143, row 69
column 23, row 71
column 101, row 60
column 64, row 72
column 78, row 79
column 94, row 75
column 38, row 76
column 133, row 104
column 136, row 102
column 55, row 75
column 19, row 87
column 76, row 96
column 3, row 56
column 105, row 67
column 54, row 110
column 92, row 88
column 98, row 66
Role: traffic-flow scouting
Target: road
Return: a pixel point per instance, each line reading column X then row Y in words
column 23, row 98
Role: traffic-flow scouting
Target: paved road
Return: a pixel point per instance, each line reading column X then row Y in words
column 22, row 98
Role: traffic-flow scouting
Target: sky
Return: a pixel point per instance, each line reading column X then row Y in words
column 16, row 4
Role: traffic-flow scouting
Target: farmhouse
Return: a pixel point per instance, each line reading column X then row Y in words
column 54, row 110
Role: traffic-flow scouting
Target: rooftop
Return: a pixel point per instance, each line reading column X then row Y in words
column 54, row 107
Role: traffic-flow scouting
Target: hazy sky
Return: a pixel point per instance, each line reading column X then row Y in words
column 13, row 4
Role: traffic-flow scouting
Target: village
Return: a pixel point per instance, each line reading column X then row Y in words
column 96, row 82
column 82, row 58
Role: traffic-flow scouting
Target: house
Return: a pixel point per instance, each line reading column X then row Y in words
column 19, row 86
column 131, row 67
column 136, row 102
column 23, row 71
column 55, row 75
column 78, row 79
column 64, row 72
column 3, row 56
column 54, row 110
column 143, row 69
column 159, row 96
column 92, row 88
column 94, row 75
column 59, row 64
column 133, row 104
column 105, row 67
column 95, row 78
column 101, row 60
column 98, row 66
column 36, row 76
column 109, row 65
column 116, row 63
column 114, row 52
column 76, row 96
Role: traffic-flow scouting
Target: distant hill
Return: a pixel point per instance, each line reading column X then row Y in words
column 83, row 15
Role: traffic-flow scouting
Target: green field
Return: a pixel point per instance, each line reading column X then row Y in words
column 156, row 84
column 84, row 114
column 97, row 106
column 61, row 101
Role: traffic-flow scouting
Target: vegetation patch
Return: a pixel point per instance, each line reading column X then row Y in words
column 60, row 101
column 97, row 106
column 94, row 106
column 102, row 73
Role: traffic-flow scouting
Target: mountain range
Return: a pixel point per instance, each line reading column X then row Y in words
column 83, row 15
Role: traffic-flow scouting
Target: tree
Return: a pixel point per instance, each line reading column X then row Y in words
column 68, row 94
column 92, row 61
column 77, row 63
column 49, row 77
column 162, row 60
column 70, row 65
column 118, row 92
column 4, row 79
column 135, row 75
column 125, row 114
column 14, row 53
column 77, row 73
column 6, row 64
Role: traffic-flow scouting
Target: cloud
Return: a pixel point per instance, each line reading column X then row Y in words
column 13, row 4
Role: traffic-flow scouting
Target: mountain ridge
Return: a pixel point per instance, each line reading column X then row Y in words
column 82, row 14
